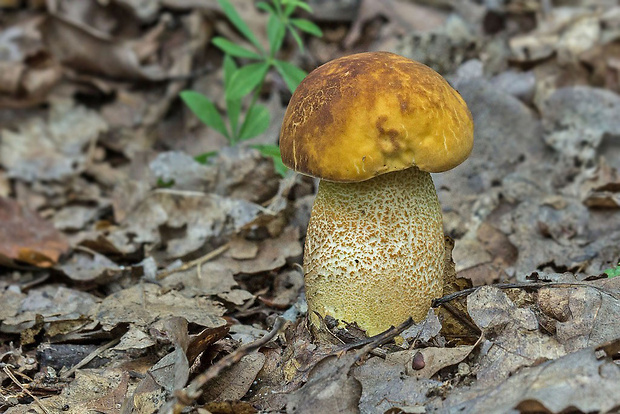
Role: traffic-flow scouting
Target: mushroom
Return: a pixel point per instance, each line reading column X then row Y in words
column 372, row 126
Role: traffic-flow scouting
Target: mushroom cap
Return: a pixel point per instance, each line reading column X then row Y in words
column 367, row 114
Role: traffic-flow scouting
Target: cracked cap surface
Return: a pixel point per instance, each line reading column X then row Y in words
column 367, row 114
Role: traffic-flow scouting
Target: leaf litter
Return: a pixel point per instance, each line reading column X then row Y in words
column 136, row 279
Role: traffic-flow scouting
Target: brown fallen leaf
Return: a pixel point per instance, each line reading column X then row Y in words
column 385, row 385
column 88, row 49
column 88, row 266
column 233, row 383
column 330, row 389
column 146, row 303
column 96, row 389
column 577, row 381
column 53, row 149
column 512, row 338
column 585, row 316
column 434, row 359
column 26, row 238
column 27, row 71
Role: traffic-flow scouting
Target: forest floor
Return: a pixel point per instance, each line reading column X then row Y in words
column 136, row 278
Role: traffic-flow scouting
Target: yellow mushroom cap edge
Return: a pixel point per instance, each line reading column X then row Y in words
column 367, row 114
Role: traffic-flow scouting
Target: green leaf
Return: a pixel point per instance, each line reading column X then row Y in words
column 205, row 110
column 265, row 7
column 300, row 4
column 238, row 22
column 256, row 122
column 273, row 151
column 307, row 26
column 291, row 74
column 233, row 49
column 275, row 32
column 613, row 272
column 290, row 8
column 297, row 38
column 230, row 67
column 233, row 106
column 164, row 184
column 246, row 79
column 205, row 156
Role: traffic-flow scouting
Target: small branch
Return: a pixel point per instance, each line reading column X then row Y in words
column 525, row 286
column 377, row 340
column 8, row 372
column 196, row 262
column 90, row 357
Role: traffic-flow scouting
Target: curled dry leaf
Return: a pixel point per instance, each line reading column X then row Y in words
column 25, row 237
column 27, row 71
column 89, row 266
column 233, row 383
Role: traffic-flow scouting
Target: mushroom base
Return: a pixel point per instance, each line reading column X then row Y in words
column 374, row 251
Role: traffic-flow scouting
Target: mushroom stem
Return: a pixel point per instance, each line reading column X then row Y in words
column 374, row 251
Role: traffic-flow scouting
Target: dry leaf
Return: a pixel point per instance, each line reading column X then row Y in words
column 26, row 238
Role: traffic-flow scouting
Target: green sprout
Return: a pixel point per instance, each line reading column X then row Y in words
column 248, row 79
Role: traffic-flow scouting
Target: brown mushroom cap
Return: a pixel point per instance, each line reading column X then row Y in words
column 371, row 113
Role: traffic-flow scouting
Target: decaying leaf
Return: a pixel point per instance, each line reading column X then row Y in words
column 92, row 390
column 329, row 389
column 25, row 237
column 145, row 303
column 52, row 149
column 577, row 118
column 512, row 336
column 234, row 383
column 575, row 381
column 585, row 316
column 61, row 308
column 172, row 224
column 386, row 385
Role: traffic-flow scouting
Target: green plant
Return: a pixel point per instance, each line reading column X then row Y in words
column 613, row 271
column 248, row 79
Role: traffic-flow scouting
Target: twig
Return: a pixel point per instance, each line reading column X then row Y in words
column 525, row 286
column 189, row 394
column 196, row 262
column 89, row 358
column 8, row 372
column 378, row 339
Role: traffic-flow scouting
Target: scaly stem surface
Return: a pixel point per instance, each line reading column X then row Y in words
column 374, row 250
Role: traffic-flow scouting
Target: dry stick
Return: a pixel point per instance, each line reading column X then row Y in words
column 379, row 339
column 189, row 394
column 196, row 262
column 526, row 286
column 458, row 315
column 8, row 372
column 90, row 357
